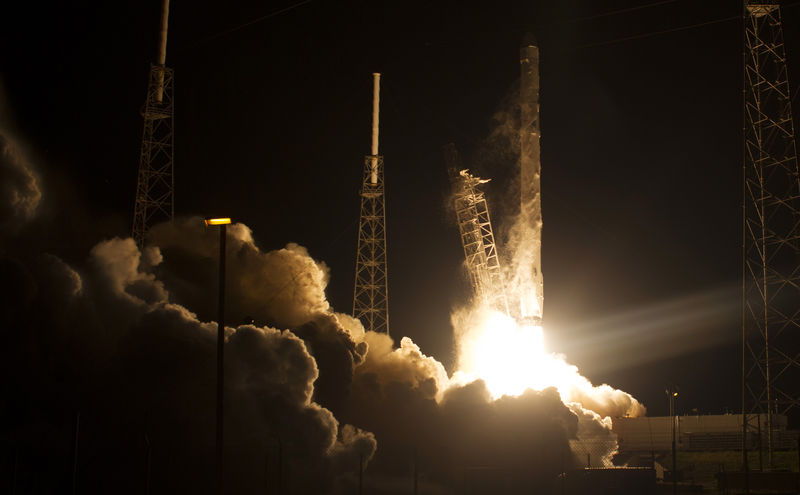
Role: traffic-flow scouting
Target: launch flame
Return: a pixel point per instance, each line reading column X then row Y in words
column 510, row 355
column 511, row 358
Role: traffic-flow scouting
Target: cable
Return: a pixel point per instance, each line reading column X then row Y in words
column 665, row 31
column 656, row 33
column 620, row 11
column 250, row 23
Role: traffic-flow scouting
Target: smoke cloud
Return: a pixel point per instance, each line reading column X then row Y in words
column 306, row 404
column 284, row 288
column 121, row 348
column 20, row 192
column 454, row 434
column 105, row 343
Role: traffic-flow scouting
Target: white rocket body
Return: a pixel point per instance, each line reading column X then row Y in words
column 530, row 182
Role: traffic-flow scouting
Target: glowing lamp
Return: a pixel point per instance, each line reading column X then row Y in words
column 217, row 221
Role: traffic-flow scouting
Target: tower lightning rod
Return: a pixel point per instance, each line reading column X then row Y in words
column 155, row 186
column 376, row 99
column 162, row 45
column 370, row 293
column 162, row 49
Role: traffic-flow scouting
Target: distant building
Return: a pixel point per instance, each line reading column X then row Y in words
column 699, row 433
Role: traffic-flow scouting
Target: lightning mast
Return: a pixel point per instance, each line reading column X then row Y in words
column 477, row 237
column 771, row 227
column 155, row 187
column 371, row 294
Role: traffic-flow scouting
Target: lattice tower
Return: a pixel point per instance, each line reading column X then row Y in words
column 371, row 292
column 477, row 237
column 771, row 227
column 155, row 189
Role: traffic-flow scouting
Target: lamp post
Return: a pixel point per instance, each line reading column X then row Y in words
column 673, row 396
column 223, row 224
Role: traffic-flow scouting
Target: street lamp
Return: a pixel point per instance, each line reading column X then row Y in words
column 673, row 396
column 223, row 224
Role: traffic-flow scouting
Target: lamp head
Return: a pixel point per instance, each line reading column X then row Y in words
column 217, row 221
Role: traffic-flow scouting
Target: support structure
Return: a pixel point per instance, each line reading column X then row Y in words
column 155, row 189
column 529, row 252
column 771, row 228
column 371, row 294
column 477, row 237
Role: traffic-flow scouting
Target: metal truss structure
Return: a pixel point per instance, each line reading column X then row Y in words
column 371, row 294
column 155, row 188
column 771, row 227
column 477, row 237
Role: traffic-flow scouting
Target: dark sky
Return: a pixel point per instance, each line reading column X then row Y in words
column 641, row 152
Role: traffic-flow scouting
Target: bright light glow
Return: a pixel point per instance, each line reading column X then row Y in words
column 511, row 358
column 217, row 221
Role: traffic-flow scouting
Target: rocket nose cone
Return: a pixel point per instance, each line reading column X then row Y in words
column 528, row 39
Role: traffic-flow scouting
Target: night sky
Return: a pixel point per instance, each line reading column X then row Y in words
column 641, row 153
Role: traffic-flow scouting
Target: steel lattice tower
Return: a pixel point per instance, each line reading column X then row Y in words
column 371, row 294
column 477, row 236
column 155, row 189
column 771, row 226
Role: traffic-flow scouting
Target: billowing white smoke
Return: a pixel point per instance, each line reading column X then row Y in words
column 284, row 287
column 109, row 342
column 128, row 340
column 401, row 395
column 404, row 364
column 265, row 366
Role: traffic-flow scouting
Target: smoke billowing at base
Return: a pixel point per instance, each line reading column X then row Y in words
column 111, row 366
column 118, row 353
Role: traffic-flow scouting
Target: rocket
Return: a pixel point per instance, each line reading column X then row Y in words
column 530, row 174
